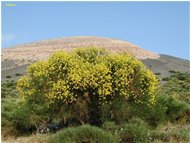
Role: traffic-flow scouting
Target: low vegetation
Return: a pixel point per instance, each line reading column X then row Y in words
column 92, row 96
column 83, row 134
column 8, row 76
column 18, row 74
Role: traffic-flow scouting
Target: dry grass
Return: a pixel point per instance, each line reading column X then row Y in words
column 38, row 138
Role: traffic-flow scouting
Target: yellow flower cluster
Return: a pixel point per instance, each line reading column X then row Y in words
column 24, row 87
column 60, row 91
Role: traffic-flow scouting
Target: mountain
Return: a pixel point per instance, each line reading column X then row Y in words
column 16, row 59
column 42, row 49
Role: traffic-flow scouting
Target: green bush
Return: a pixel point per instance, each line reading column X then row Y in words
column 112, row 127
column 120, row 111
column 7, row 107
column 178, row 84
column 9, row 102
column 8, row 76
column 28, row 118
column 135, row 131
column 153, row 115
column 165, row 79
column 157, row 73
column 18, row 74
column 83, row 134
column 175, row 109
column 8, row 89
column 173, row 71
column 174, row 96
column 21, row 119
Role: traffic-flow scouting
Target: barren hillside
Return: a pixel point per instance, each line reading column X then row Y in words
column 42, row 49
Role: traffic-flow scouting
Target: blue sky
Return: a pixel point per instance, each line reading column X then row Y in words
column 161, row 27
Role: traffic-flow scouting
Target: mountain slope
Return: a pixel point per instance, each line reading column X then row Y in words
column 165, row 65
column 43, row 49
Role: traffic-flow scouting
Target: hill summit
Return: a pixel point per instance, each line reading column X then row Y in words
column 43, row 49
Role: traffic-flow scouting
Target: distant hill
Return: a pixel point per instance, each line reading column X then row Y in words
column 16, row 59
column 42, row 49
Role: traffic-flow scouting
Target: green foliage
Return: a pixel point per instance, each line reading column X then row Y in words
column 173, row 135
column 83, row 134
column 157, row 73
column 112, row 127
column 174, row 96
column 7, row 110
column 173, row 71
column 182, row 134
column 91, row 75
column 121, row 111
column 118, row 111
column 9, row 101
column 18, row 74
column 165, row 79
column 21, row 119
column 178, row 85
column 8, row 89
column 136, row 131
column 175, row 110
column 153, row 116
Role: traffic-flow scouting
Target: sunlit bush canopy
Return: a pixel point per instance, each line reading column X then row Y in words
column 88, row 72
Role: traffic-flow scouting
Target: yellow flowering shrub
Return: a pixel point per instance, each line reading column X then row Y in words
column 90, row 74
column 89, row 70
